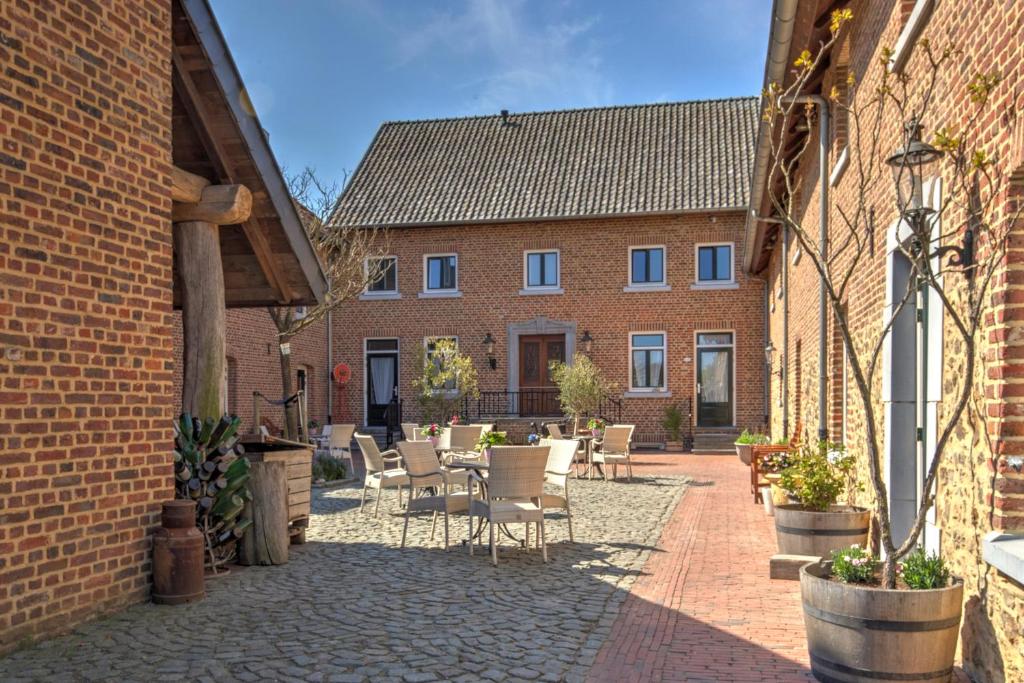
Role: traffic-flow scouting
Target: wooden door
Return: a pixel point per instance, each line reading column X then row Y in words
column 538, row 395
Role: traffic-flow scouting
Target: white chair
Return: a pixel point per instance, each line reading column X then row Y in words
column 378, row 475
column 511, row 493
column 424, row 472
column 556, row 474
column 411, row 431
column 462, row 442
column 340, row 443
column 613, row 449
column 554, row 430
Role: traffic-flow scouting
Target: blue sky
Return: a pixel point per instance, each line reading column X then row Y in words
column 324, row 74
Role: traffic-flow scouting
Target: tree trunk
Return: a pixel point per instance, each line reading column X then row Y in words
column 198, row 262
column 266, row 540
column 291, row 410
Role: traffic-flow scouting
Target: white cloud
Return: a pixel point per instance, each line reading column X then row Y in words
column 514, row 63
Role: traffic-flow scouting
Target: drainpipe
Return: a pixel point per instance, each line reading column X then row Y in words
column 784, row 370
column 823, row 144
column 922, row 385
column 330, row 367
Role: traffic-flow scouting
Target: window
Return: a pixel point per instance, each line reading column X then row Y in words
column 387, row 281
column 647, row 266
column 541, row 269
column 714, row 263
column 647, row 354
column 441, row 272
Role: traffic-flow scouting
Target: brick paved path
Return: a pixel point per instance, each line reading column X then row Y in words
column 704, row 608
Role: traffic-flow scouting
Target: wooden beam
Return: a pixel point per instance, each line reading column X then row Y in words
column 185, row 186
column 220, row 205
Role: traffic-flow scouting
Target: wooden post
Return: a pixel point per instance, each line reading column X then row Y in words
column 203, row 316
column 266, row 540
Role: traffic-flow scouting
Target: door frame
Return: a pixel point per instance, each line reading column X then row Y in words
column 539, row 325
column 696, row 371
column 397, row 353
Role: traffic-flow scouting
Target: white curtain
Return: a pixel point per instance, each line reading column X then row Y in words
column 382, row 378
column 715, row 376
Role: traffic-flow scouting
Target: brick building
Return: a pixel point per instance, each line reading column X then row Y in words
column 980, row 492
column 102, row 107
column 620, row 223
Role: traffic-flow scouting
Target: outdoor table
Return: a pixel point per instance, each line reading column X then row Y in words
column 588, row 445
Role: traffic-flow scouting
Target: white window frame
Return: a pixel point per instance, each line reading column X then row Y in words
column 542, row 289
column 918, row 19
column 647, row 391
column 383, row 293
column 661, row 286
column 714, row 284
column 436, row 337
column 440, row 293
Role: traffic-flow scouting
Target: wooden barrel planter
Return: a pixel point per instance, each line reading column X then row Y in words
column 861, row 634
column 299, row 474
column 817, row 534
column 744, row 450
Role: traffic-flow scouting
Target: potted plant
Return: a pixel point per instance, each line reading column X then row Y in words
column 745, row 444
column 815, row 525
column 489, row 440
column 952, row 243
column 772, row 465
column 581, row 387
column 596, row 426
column 444, row 379
column 672, row 423
column 433, row 433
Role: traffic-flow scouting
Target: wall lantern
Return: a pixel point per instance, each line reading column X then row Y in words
column 769, row 354
column 588, row 341
column 911, row 165
column 489, row 345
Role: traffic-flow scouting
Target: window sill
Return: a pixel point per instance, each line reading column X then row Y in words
column 442, row 294
column 647, row 288
column 386, row 296
column 540, row 291
column 639, row 393
column 1005, row 552
column 841, row 163
column 698, row 286
column 919, row 17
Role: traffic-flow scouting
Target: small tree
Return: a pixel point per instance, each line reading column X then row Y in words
column 927, row 236
column 581, row 387
column 349, row 259
column 444, row 377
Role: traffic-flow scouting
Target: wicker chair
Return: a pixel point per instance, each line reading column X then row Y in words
column 556, row 474
column 512, row 493
column 378, row 475
column 340, row 443
column 411, row 431
column 424, row 472
column 554, row 430
column 614, row 449
column 462, row 442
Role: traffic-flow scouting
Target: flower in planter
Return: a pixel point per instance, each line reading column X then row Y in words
column 432, row 429
column 817, row 476
column 854, row 565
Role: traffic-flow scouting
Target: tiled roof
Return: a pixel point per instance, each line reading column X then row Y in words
column 653, row 158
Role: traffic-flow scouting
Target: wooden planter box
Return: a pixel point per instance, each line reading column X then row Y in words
column 299, row 471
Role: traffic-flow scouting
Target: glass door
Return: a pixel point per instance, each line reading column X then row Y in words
column 714, row 379
column 381, row 379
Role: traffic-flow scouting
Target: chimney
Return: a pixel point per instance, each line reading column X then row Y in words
column 504, row 117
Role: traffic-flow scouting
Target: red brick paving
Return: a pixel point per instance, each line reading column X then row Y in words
column 705, row 609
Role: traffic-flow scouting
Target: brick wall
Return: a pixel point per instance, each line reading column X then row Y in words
column 594, row 270
column 85, row 306
column 977, row 491
column 254, row 365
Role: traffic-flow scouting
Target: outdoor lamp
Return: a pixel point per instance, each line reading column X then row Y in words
column 489, row 345
column 769, row 353
column 587, row 340
column 910, row 166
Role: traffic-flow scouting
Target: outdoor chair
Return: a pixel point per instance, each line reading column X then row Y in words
column 340, row 443
column 613, row 449
column 758, row 453
column 556, row 474
column 462, row 442
column 434, row 483
column 554, row 430
column 411, row 431
column 511, row 493
column 381, row 471
column 484, row 426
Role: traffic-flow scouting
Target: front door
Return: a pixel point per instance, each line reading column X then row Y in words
column 714, row 379
column 538, row 395
column 381, row 379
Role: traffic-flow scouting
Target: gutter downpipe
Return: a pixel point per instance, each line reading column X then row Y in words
column 330, row 368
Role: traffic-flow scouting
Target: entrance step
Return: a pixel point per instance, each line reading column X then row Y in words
column 715, row 440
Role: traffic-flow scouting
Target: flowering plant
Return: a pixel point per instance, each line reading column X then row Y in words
column 776, row 462
column 596, row 423
column 853, row 565
column 818, row 475
column 432, row 429
column 489, row 439
column 532, row 438
column 454, row 420
column 923, row 572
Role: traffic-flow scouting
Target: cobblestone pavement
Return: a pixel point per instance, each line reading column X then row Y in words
column 353, row 606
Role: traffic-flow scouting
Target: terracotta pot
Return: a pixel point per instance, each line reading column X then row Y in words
column 744, row 450
column 808, row 532
column 857, row 634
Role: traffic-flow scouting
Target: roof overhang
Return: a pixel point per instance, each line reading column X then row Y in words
column 268, row 260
